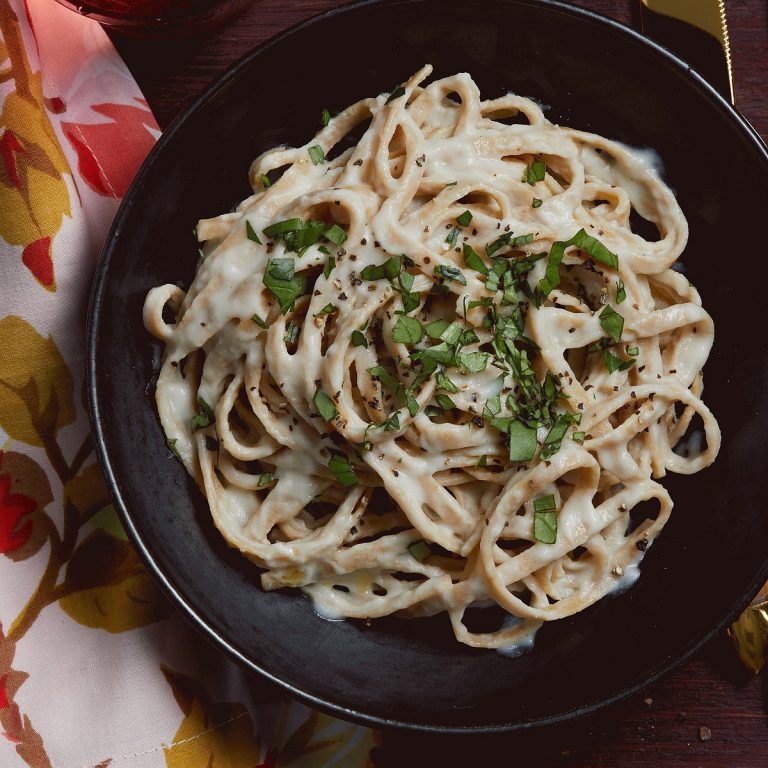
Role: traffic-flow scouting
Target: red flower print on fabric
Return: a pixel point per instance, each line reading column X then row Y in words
column 109, row 154
column 13, row 508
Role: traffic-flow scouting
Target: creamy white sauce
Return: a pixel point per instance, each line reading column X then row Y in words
column 277, row 431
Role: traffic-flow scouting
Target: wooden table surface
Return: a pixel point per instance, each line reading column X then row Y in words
column 661, row 726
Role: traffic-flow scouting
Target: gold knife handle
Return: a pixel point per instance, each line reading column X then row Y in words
column 707, row 48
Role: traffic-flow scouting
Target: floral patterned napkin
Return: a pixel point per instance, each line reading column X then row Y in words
column 95, row 667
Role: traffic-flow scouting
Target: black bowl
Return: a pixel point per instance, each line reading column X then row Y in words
column 596, row 75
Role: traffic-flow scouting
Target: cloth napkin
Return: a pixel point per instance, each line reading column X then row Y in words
column 96, row 668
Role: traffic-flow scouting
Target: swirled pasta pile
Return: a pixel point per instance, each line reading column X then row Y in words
column 434, row 368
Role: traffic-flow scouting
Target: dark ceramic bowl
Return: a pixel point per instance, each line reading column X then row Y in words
column 596, row 75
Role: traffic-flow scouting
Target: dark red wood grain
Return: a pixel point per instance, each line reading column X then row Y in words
column 660, row 727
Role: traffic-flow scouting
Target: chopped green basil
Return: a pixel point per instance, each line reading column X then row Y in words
column 330, row 265
column 621, row 293
column 335, row 234
column 613, row 363
column 536, row 203
column 260, row 321
column 473, row 261
column 265, row 182
column 522, row 441
column 396, row 94
column 342, row 470
column 445, row 402
column 407, row 330
column 325, row 118
column 251, row 233
column 464, row 219
column 545, row 520
column 171, row 442
column 283, row 284
column 453, row 236
column 612, row 322
column 443, row 382
column 595, row 249
column 436, row 328
column 324, row 405
column 535, row 172
column 359, row 340
column 473, row 362
column 291, row 333
column 265, row 479
column 283, row 227
column 450, row 273
column 326, row 310
column 316, row 154
column 204, row 417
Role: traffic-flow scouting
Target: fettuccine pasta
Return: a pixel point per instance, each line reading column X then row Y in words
column 434, row 368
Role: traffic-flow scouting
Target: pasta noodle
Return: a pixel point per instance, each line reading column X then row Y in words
column 434, row 368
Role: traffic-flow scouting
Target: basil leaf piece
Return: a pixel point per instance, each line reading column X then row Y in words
column 325, row 406
column 473, row 261
column 171, row 443
column 407, row 330
column 545, row 520
column 439, row 353
column 445, row 402
column 473, row 362
column 392, row 423
column 419, row 550
column 451, row 334
column 291, row 333
column 535, row 172
column 204, row 417
column 595, row 249
column 412, row 404
column 621, row 293
column 330, row 265
column 406, row 281
column 265, row 479
column 436, row 328
column 613, row 363
column 578, row 437
column 536, row 203
column 612, row 322
column 335, row 234
column 251, row 233
column 342, row 470
column 316, row 154
column 265, row 182
column 443, row 382
column 325, row 118
column 464, row 219
column 260, row 321
column 282, row 283
column 359, row 340
column 453, row 237
column 522, row 441
column 492, row 407
column 390, row 269
column 482, row 461
column 282, row 227
column 396, row 94
column 551, row 279
column 450, row 273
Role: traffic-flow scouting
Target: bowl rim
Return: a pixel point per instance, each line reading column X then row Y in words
column 95, row 406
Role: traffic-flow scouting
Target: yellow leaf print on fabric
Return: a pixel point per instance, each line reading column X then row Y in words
column 36, row 387
column 33, row 191
column 106, row 587
column 211, row 734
